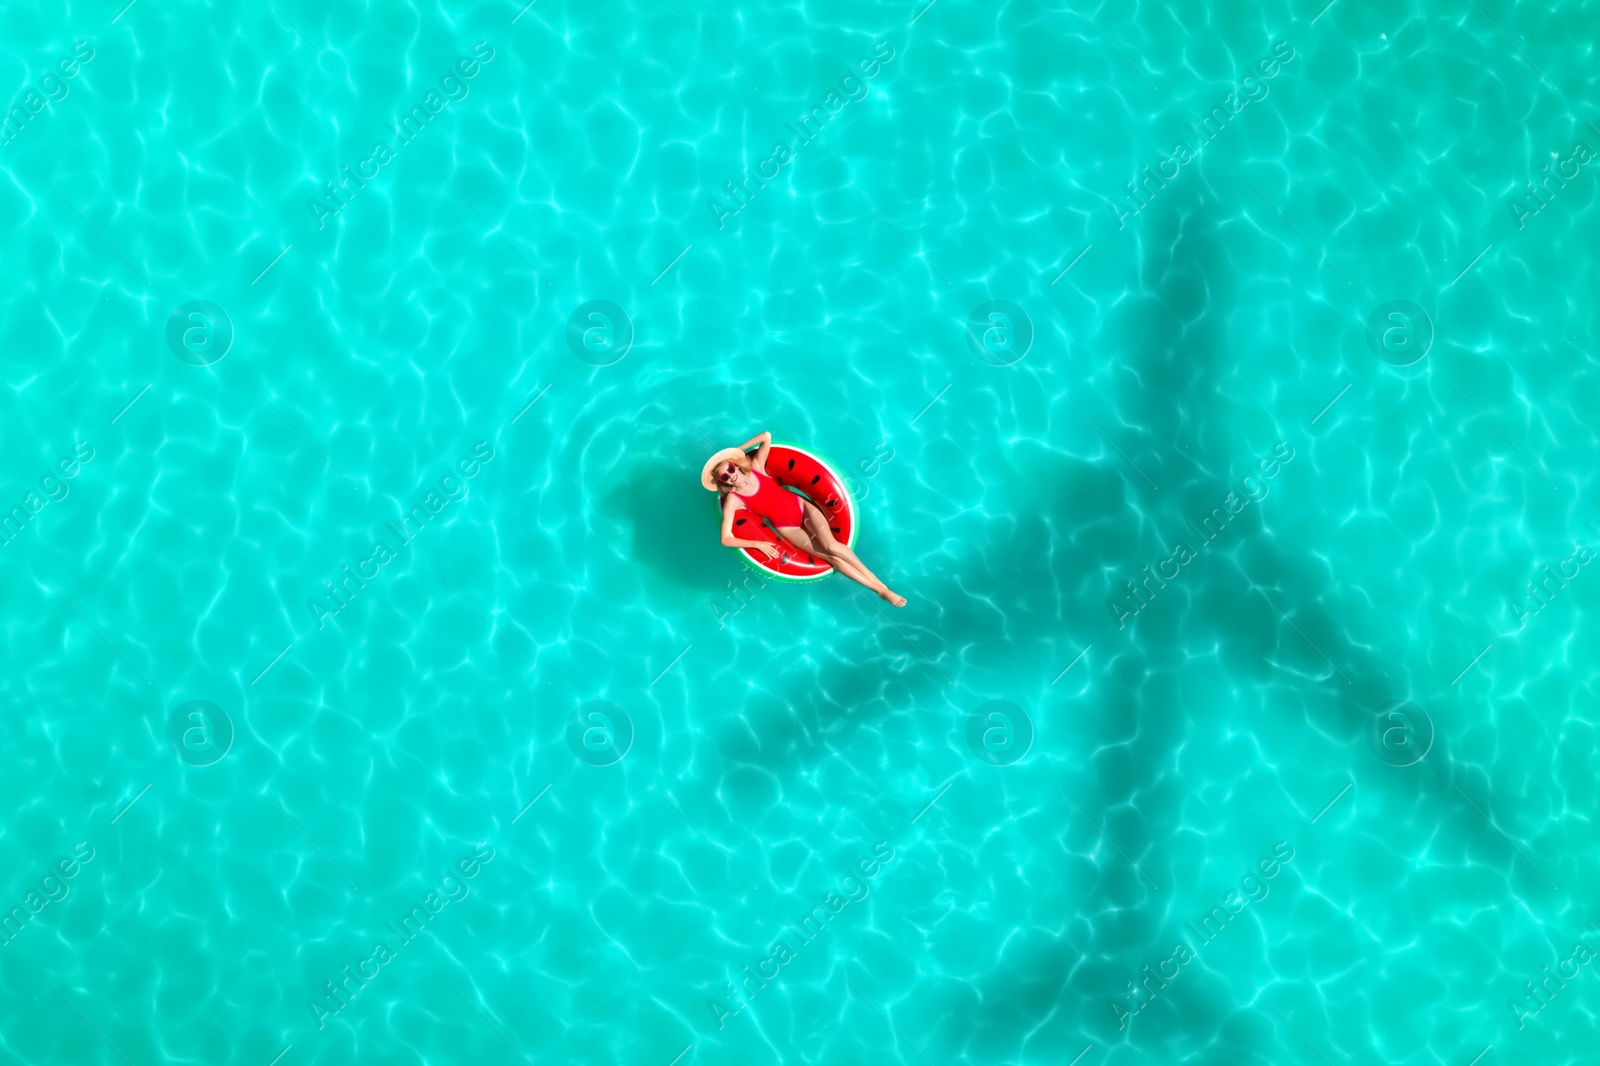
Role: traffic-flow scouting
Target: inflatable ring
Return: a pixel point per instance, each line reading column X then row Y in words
column 807, row 473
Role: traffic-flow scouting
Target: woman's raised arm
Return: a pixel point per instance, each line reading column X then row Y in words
column 764, row 439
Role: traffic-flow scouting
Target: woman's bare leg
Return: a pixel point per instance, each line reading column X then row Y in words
column 840, row 555
column 806, row 543
column 803, row 540
column 817, row 526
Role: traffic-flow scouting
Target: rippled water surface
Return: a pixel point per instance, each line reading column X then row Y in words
column 377, row 690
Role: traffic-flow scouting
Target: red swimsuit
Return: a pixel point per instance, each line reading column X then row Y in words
column 774, row 503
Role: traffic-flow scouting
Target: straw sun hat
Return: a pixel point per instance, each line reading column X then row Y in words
column 712, row 463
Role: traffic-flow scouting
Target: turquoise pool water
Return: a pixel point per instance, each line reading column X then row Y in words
column 377, row 690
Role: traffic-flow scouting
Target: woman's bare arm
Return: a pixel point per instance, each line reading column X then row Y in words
column 759, row 460
column 729, row 507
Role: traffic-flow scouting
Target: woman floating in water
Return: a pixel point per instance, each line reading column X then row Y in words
column 744, row 482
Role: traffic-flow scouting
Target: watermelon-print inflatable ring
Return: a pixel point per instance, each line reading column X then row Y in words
column 806, row 472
